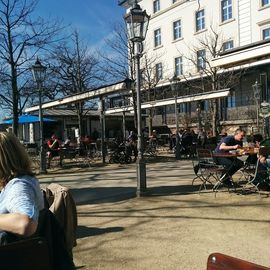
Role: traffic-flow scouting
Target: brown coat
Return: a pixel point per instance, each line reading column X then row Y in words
column 61, row 203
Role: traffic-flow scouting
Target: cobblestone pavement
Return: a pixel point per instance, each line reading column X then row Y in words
column 174, row 227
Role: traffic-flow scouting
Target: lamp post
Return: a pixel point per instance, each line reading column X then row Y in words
column 174, row 87
column 137, row 23
column 39, row 72
column 257, row 95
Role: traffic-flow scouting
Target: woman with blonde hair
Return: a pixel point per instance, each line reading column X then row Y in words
column 20, row 198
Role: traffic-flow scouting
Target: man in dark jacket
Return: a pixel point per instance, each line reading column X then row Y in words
column 231, row 164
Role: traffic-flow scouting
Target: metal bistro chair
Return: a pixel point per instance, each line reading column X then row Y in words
column 248, row 169
column 206, row 169
column 260, row 180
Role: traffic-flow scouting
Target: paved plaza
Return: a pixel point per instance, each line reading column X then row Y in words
column 174, row 227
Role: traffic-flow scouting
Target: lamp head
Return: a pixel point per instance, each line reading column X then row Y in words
column 137, row 21
column 38, row 71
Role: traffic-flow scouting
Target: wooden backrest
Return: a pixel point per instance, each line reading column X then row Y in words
column 28, row 254
column 204, row 153
column 218, row 261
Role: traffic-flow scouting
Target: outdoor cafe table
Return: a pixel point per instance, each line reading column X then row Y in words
column 245, row 151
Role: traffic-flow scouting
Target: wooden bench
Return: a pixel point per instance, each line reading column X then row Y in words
column 27, row 254
column 218, row 261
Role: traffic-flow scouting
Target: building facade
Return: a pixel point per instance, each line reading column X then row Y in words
column 184, row 36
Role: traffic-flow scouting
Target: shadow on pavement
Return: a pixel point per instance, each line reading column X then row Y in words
column 172, row 190
column 95, row 195
column 83, row 231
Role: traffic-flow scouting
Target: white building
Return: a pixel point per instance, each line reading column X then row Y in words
column 176, row 33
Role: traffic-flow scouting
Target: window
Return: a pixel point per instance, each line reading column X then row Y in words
column 159, row 75
column 226, row 10
column 178, row 66
column 227, row 45
column 173, row 1
column 156, row 6
column 205, row 105
column 200, row 60
column 265, row 2
column 183, row 108
column 266, row 33
column 177, row 31
column 200, row 20
column 157, row 36
column 231, row 101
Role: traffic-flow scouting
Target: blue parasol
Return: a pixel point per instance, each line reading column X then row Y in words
column 27, row 118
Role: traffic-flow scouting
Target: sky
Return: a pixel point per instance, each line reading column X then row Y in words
column 93, row 19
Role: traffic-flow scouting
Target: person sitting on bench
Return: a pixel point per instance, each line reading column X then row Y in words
column 21, row 198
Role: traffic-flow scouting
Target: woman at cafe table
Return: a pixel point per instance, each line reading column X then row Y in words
column 231, row 164
column 20, row 198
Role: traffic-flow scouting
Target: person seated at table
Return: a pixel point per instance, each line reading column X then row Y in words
column 87, row 141
column 255, row 143
column 231, row 164
column 21, row 198
column 53, row 149
column 132, row 143
column 153, row 138
column 262, row 177
column 67, row 142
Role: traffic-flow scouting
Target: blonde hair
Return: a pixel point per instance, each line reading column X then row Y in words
column 14, row 160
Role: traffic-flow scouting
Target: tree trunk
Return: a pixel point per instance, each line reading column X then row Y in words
column 214, row 117
column 150, row 127
column 80, row 118
column 15, row 99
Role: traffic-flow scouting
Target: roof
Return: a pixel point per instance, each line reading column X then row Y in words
column 72, row 113
column 68, row 112
column 87, row 95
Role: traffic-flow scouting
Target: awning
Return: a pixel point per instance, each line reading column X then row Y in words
column 170, row 101
column 258, row 52
column 24, row 119
column 95, row 93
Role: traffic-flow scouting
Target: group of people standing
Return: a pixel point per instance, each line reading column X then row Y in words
column 188, row 140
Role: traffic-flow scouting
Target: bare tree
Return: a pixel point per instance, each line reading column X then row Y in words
column 75, row 70
column 21, row 37
column 150, row 80
column 118, row 59
column 209, row 46
column 118, row 54
column 119, row 64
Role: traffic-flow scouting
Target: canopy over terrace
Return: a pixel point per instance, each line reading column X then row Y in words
column 254, row 54
column 170, row 101
column 87, row 95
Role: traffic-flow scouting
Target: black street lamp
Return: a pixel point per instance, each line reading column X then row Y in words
column 39, row 73
column 174, row 87
column 137, row 23
column 257, row 88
